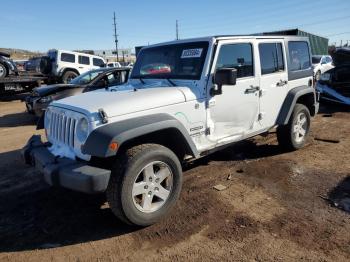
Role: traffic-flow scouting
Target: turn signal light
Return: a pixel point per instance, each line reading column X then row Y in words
column 113, row 146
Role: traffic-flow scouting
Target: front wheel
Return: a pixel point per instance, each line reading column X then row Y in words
column 293, row 135
column 145, row 184
column 3, row 71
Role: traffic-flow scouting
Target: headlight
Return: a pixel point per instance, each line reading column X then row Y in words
column 46, row 99
column 82, row 130
column 325, row 77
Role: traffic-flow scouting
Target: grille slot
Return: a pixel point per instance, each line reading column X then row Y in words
column 61, row 128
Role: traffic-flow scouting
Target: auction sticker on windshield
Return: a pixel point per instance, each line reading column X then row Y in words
column 192, row 53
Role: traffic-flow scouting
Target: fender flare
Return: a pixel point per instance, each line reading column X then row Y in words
column 63, row 70
column 97, row 143
column 290, row 101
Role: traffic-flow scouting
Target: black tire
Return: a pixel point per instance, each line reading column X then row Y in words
column 3, row 71
column 125, row 173
column 317, row 75
column 68, row 76
column 286, row 135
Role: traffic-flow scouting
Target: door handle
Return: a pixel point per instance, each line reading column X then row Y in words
column 252, row 89
column 282, row 83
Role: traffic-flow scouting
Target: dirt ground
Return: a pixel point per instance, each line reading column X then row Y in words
column 276, row 206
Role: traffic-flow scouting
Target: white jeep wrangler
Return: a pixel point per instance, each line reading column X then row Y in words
column 184, row 100
column 66, row 65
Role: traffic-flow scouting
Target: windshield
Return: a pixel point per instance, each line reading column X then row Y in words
column 177, row 61
column 86, row 78
column 316, row 59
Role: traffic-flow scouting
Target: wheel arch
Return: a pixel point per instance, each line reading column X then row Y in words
column 64, row 70
column 303, row 95
column 161, row 129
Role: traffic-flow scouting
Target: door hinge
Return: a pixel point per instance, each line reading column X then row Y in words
column 207, row 131
column 260, row 116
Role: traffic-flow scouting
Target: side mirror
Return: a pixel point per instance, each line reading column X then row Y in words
column 223, row 76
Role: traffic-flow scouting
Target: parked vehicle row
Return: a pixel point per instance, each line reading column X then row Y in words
column 184, row 100
column 63, row 66
column 93, row 80
column 321, row 64
column 334, row 84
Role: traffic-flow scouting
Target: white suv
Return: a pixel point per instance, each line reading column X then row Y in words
column 66, row 65
column 184, row 100
column 321, row 64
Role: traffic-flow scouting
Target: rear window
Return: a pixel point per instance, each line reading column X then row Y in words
column 70, row 58
column 271, row 58
column 84, row 60
column 97, row 62
column 299, row 55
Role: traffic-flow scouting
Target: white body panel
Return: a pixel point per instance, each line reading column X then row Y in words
column 210, row 121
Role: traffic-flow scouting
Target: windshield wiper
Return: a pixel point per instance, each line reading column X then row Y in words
column 170, row 81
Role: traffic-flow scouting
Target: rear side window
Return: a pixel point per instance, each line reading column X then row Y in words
column 299, row 55
column 271, row 58
column 97, row 62
column 70, row 58
column 84, row 60
column 239, row 56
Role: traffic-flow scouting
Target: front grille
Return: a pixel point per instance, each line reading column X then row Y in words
column 62, row 128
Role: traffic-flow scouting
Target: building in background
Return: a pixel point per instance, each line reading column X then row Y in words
column 319, row 44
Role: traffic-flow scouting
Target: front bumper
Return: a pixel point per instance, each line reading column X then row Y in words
column 330, row 94
column 64, row 172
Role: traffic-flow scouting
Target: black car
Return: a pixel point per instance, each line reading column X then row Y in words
column 7, row 66
column 41, row 97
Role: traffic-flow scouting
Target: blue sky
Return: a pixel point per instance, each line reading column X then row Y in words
column 76, row 24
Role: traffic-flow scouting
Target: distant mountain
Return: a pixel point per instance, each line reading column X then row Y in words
column 20, row 54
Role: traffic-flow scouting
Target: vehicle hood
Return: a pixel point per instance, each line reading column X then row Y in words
column 52, row 89
column 341, row 56
column 121, row 102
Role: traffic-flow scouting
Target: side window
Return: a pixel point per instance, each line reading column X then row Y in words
column 70, row 58
column 271, row 58
column 329, row 59
column 239, row 56
column 97, row 62
column 299, row 55
column 84, row 60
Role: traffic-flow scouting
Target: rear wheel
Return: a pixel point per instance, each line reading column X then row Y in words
column 68, row 76
column 293, row 135
column 145, row 184
column 3, row 71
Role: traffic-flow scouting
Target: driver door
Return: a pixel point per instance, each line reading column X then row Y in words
column 234, row 113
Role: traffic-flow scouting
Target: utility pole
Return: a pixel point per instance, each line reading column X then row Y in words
column 177, row 30
column 115, row 37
